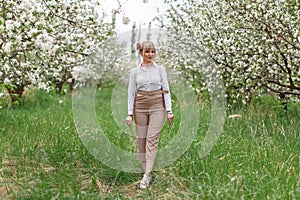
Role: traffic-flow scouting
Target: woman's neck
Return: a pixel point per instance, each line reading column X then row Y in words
column 148, row 64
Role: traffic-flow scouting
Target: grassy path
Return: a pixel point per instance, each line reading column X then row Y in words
column 42, row 157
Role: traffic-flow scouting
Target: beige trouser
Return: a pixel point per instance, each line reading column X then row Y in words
column 149, row 114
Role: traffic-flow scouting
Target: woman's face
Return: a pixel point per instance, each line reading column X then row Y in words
column 148, row 55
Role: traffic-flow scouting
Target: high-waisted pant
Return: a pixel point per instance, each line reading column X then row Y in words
column 149, row 114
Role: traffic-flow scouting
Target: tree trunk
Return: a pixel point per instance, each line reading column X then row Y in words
column 15, row 93
column 283, row 102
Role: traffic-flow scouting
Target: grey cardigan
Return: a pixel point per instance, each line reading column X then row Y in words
column 155, row 78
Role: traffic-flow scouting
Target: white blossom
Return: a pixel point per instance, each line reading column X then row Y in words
column 41, row 44
column 251, row 46
column 7, row 81
column 7, row 47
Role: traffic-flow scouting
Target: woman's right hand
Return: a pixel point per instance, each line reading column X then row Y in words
column 129, row 120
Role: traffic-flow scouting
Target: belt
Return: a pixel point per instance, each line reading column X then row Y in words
column 152, row 92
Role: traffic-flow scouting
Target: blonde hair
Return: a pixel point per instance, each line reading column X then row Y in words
column 144, row 46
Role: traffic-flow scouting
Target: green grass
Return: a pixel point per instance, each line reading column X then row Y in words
column 42, row 157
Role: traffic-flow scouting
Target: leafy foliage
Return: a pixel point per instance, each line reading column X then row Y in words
column 254, row 44
column 43, row 40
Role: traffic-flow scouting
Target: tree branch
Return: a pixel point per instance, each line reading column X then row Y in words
column 68, row 20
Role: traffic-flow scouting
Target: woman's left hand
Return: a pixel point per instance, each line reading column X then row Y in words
column 170, row 118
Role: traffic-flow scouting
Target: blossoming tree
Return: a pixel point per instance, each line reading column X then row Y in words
column 255, row 44
column 41, row 41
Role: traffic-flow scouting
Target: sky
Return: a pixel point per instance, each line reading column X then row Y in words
column 137, row 11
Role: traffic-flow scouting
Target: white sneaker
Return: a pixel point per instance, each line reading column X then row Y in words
column 145, row 182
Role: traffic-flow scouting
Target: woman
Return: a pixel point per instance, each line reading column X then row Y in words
column 148, row 100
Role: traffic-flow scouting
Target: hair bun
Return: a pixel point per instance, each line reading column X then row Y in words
column 138, row 46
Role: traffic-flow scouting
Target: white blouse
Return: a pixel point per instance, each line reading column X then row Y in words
column 149, row 79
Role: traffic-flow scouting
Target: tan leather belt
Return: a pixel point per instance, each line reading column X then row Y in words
column 152, row 92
